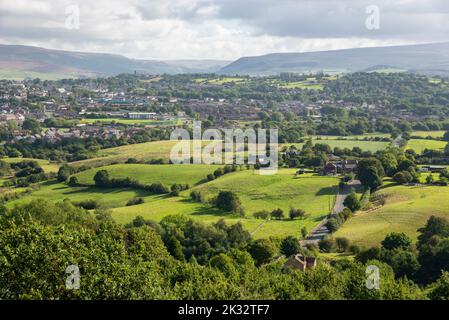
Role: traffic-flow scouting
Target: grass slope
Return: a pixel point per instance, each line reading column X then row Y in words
column 315, row 194
column 425, row 134
column 46, row 165
column 140, row 151
column 147, row 174
column 372, row 146
column 419, row 145
column 312, row 193
column 57, row 192
column 406, row 210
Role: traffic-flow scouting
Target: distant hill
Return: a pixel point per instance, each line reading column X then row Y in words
column 17, row 62
column 423, row 58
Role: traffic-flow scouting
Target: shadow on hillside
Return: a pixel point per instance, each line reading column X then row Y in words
column 207, row 210
column 139, row 193
column 327, row 191
column 390, row 185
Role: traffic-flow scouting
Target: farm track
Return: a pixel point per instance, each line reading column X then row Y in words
column 321, row 231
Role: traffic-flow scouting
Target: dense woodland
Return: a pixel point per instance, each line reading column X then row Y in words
column 182, row 259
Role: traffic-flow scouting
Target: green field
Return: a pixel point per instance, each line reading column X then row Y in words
column 52, row 191
column 406, row 210
column 425, row 134
column 387, row 70
column 46, row 165
column 221, row 81
column 147, row 174
column 141, row 151
column 372, row 146
column 161, row 150
column 27, row 74
column 354, row 137
column 419, row 145
column 312, row 193
column 309, row 85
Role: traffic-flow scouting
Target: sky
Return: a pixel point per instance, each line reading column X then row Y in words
column 220, row 29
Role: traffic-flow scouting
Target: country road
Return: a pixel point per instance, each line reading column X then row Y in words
column 321, row 231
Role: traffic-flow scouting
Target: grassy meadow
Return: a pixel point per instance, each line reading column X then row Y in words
column 419, row 145
column 425, row 134
column 141, row 151
column 46, row 165
column 367, row 145
column 166, row 174
column 406, row 210
column 53, row 191
column 314, row 194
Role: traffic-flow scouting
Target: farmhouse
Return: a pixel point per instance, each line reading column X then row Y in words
column 300, row 262
column 340, row 166
column 330, row 168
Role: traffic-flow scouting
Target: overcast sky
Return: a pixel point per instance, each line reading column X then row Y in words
column 218, row 29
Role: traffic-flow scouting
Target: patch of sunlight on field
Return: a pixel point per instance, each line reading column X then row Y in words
column 311, row 193
column 147, row 174
column 57, row 192
column 46, row 165
column 406, row 210
column 419, row 145
column 372, row 146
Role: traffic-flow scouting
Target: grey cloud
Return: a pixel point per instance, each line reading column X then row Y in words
column 222, row 28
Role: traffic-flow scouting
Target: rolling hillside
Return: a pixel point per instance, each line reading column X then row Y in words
column 424, row 58
column 406, row 210
column 18, row 62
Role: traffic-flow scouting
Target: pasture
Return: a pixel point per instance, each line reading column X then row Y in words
column 257, row 192
column 425, row 134
column 147, row 174
column 406, row 210
column 419, row 145
column 53, row 191
column 46, row 165
column 141, row 151
column 367, row 145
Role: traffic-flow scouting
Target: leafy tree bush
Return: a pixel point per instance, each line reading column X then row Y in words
column 396, row 240
column 135, row 201
column 87, row 204
column 197, row 196
column 290, row 246
column 342, row 244
column 264, row 214
column 228, row 201
column 277, row 214
column 262, row 251
column 333, row 225
column 304, row 232
column 327, row 245
column 352, row 202
column 101, row 178
column 218, row 173
column 403, row 177
column 441, row 289
column 296, row 213
column 370, row 172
